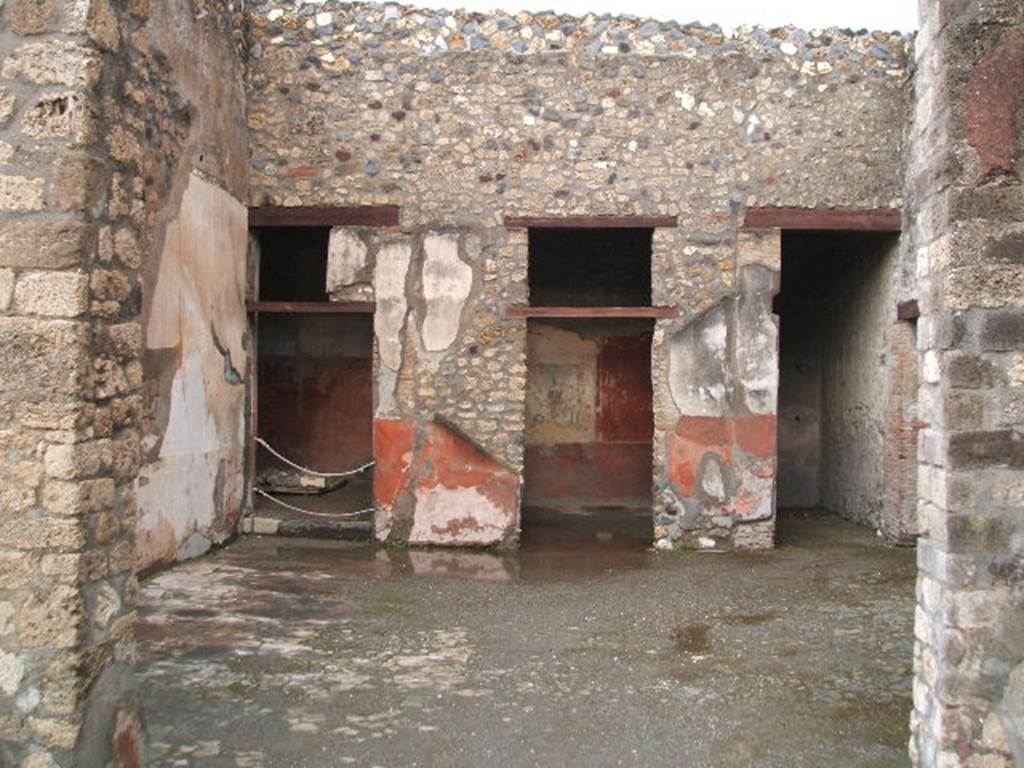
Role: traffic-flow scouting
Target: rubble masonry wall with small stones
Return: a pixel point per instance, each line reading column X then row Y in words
column 462, row 119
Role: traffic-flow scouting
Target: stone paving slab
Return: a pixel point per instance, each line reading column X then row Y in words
column 287, row 652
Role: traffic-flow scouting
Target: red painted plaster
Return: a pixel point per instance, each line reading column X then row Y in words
column 589, row 473
column 415, row 459
column 624, row 396
column 394, row 441
column 450, row 461
column 995, row 92
column 756, row 435
column 695, row 436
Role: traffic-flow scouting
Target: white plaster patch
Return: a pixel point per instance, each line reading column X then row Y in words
column 758, row 367
column 387, row 380
column 696, row 367
column 176, row 493
column 931, row 370
column 382, row 520
column 11, row 670
column 447, row 281
column 457, row 516
column 197, row 308
column 29, row 700
column 346, row 258
column 389, row 275
column 108, row 603
column 712, row 481
column 714, row 337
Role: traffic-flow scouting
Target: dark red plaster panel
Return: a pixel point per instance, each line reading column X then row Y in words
column 588, row 473
column 317, row 411
column 624, row 398
column 995, row 92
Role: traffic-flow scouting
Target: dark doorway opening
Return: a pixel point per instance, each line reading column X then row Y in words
column 293, row 263
column 590, row 267
column 589, row 425
column 843, row 369
column 314, row 388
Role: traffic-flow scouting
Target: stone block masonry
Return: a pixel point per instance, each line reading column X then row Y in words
column 964, row 183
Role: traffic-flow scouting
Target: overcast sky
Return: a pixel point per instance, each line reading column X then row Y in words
column 884, row 15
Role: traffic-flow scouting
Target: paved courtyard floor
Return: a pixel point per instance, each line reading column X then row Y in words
column 586, row 651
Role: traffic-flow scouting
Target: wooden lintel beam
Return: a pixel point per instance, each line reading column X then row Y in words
column 590, row 222
column 624, row 312
column 825, row 219
column 327, row 216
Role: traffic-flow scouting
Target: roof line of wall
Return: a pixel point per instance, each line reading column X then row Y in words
column 388, row 27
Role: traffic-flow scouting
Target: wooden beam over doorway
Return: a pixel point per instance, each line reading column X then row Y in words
column 326, row 216
column 825, row 219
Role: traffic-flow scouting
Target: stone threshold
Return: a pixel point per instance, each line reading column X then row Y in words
column 345, row 531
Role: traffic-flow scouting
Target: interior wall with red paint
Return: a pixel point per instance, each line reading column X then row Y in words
column 315, row 389
column 589, row 422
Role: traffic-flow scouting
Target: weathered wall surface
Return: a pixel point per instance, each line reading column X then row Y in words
column 965, row 191
column 192, row 253
column 717, row 465
column 191, row 486
column 801, row 306
column 860, row 306
column 172, row 103
column 99, row 108
column 848, row 393
column 463, row 119
column 588, row 412
column 448, row 401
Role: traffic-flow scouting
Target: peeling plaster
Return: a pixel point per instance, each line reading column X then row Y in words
column 192, row 479
column 389, row 279
column 457, row 516
column 347, row 259
column 447, row 282
column 696, row 366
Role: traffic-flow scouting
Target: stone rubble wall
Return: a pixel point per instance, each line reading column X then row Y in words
column 96, row 127
column 344, row 106
column 964, row 187
column 463, row 119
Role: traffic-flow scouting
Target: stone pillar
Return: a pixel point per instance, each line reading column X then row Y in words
column 966, row 204
column 450, row 383
column 715, row 374
column 69, row 400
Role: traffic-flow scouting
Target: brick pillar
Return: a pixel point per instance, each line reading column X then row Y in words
column 966, row 203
